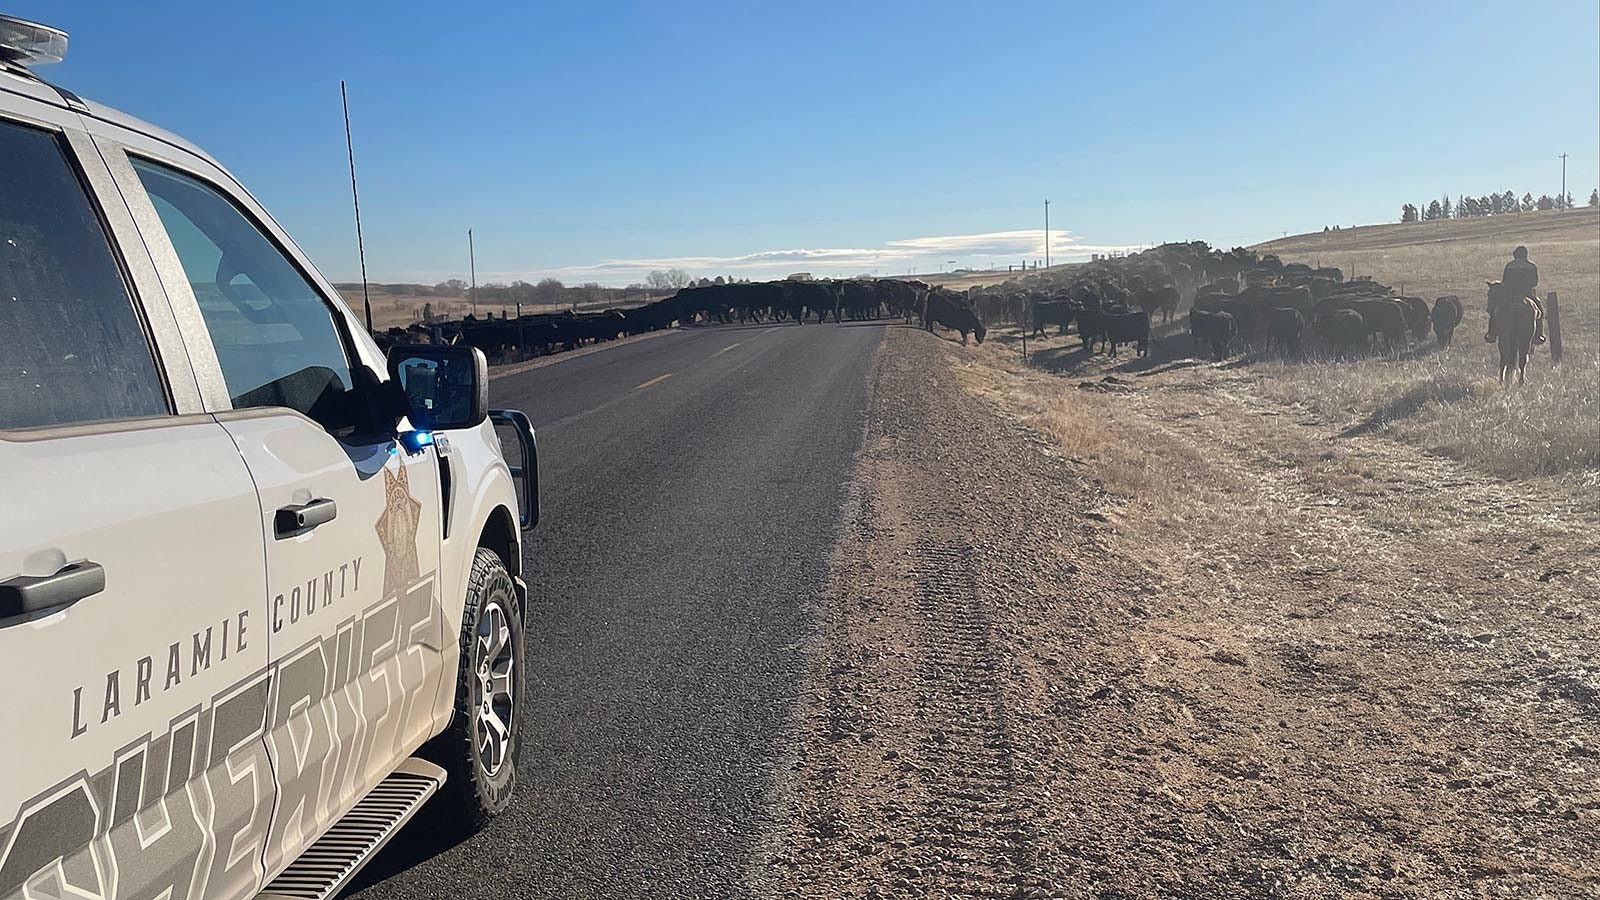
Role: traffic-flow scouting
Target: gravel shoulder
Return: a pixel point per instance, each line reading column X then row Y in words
column 1152, row 632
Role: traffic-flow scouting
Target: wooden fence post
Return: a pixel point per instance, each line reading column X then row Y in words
column 1552, row 325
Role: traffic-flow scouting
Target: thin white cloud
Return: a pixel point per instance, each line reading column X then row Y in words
column 897, row 257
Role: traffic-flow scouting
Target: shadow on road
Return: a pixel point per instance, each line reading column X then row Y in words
column 424, row 837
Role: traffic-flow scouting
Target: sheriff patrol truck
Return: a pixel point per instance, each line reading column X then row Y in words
column 260, row 591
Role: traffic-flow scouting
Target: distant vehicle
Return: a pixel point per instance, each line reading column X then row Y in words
column 259, row 586
column 799, row 276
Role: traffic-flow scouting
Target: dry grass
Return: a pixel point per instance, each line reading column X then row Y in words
column 1452, row 406
column 1451, row 402
column 1091, row 425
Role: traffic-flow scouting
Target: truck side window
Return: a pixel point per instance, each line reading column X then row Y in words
column 73, row 347
column 274, row 334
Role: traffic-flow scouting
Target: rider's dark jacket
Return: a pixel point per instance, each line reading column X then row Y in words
column 1521, row 277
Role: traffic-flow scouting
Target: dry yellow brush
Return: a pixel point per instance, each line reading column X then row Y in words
column 1453, row 404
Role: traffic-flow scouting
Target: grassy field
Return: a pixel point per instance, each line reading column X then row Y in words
column 1450, row 402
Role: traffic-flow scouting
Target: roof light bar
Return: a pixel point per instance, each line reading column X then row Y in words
column 31, row 44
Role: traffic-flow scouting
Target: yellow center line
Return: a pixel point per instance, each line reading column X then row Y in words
column 726, row 349
column 656, row 380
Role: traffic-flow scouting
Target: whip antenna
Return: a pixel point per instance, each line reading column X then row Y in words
column 355, row 199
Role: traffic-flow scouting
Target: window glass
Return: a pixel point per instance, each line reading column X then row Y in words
column 274, row 335
column 73, row 347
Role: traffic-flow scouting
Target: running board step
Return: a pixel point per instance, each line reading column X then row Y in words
column 329, row 864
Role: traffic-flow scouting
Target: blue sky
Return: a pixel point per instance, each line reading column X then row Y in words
column 596, row 141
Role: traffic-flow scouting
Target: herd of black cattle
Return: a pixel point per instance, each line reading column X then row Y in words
column 797, row 301
column 1238, row 300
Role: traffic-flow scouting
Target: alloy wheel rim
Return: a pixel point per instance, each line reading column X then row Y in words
column 497, row 661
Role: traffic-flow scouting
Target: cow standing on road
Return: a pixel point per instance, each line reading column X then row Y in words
column 948, row 308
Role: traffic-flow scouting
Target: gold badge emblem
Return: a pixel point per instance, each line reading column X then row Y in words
column 397, row 531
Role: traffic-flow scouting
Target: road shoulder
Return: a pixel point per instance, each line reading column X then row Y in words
column 1158, row 636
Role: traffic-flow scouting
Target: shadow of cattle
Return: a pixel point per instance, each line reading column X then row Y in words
column 1409, row 404
column 1169, row 346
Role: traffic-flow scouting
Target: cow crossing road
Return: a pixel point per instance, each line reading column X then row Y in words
column 687, row 528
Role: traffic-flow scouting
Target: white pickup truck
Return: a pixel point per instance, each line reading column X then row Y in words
column 260, row 590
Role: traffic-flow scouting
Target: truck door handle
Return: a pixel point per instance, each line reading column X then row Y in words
column 26, row 595
column 302, row 517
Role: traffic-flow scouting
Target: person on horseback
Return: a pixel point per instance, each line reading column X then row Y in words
column 1520, row 278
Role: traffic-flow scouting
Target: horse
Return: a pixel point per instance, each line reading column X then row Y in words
column 1512, row 319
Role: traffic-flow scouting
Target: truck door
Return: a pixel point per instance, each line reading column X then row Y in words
column 133, row 634
column 351, row 518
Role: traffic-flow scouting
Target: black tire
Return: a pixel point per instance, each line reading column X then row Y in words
column 477, row 790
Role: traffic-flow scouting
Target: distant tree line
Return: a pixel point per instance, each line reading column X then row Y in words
column 1466, row 207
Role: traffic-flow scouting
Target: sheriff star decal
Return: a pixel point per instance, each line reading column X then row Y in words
column 397, row 531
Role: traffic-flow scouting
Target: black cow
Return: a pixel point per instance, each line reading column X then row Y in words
column 1418, row 316
column 1212, row 329
column 1091, row 326
column 1051, row 312
column 947, row 308
column 1343, row 329
column 1386, row 319
column 1446, row 316
column 1285, row 325
column 1169, row 298
column 1127, row 328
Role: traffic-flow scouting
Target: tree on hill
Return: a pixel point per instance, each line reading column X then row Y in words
column 1408, row 213
column 1569, row 204
column 1527, row 203
column 1435, row 211
column 1545, row 203
column 1594, row 197
column 1444, row 207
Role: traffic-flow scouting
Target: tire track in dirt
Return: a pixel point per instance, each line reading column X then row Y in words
column 912, row 780
column 969, row 766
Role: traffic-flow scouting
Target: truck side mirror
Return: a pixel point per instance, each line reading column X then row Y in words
column 446, row 387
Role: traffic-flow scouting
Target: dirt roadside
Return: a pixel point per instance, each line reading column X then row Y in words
column 1158, row 636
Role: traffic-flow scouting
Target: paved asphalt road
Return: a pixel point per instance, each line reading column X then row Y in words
column 692, row 491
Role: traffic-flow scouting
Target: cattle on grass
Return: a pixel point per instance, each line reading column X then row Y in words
column 1213, row 330
column 948, row 308
column 1052, row 312
column 1446, row 316
column 1285, row 326
column 1344, row 329
column 1121, row 328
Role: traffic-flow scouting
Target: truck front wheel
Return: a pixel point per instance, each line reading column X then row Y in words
column 480, row 747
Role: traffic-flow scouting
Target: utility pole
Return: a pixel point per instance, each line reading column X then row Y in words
column 355, row 199
column 1047, row 232
column 1563, row 204
column 472, row 265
